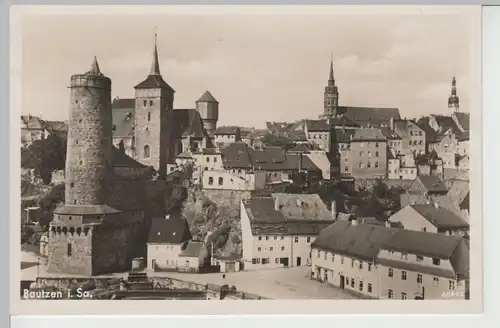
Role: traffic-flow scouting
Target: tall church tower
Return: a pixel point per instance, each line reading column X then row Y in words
column 154, row 102
column 453, row 99
column 331, row 95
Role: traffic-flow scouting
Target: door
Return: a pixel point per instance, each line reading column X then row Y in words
column 284, row 261
column 153, row 265
column 299, row 261
column 342, row 282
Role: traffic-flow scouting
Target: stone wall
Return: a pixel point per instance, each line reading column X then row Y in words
column 228, row 198
column 77, row 260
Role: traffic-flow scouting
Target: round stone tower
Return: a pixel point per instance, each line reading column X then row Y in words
column 208, row 107
column 89, row 148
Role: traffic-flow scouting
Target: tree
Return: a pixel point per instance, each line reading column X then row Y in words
column 277, row 141
column 175, row 200
column 49, row 202
column 45, row 156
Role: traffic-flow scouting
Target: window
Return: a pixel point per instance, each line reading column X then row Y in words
column 360, row 165
column 341, row 260
column 146, row 151
column 353, row 283
column 411, row 133
column 319, row 254
column 208, row 159
column 403, row 296
column 282, row 237
column 308, row 239
column 436, row 261
column 267, row 237
column 361, row 286
column 277, row 260
column 210, row 181
column 403, row 275
column 360, row 153
column 259, row 249
column 271, row 249
column 282, row 248
column 369, row 288
column 419, row 278
column 451, row 285
column 376, row 146
column 69, row 250
column 360, row 265
column 369, row 267
column 369, row 165
column 420, row 258
column 404, row 256
column 296, row 239
column 390, row 293
column 420, row 142
column 435, row 281
column 326, row 256
column 221, row 181
column 275, row 237
column 145, row 103
column 346, row 169
column 369, row 153
column 149, row 117
column 260, row 237
column 72, row 184
column 215, row 159
column 424, row 229
column 391, row 272
column 352, row 263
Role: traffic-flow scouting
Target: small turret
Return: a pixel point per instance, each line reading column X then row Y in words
column 208, row 107
column 453, row 99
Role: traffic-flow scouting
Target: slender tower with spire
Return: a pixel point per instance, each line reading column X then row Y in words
column 453, row 99
column 331, row 95
column 154, row 101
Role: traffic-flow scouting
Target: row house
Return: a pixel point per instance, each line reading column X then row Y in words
column 319, row 133
column 412, row 136
column 34, row 128
column 277, row 231
column 367, row 158
column 225, row 135
column 401, row 167
column 430, row 218
column 396, row 264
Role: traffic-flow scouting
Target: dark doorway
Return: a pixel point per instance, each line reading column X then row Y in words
column 284, row 261
column 342, row 282
column 299, row 261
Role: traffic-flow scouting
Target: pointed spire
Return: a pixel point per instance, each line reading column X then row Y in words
column 155, row 66
column 331, row 79
column 94, row 68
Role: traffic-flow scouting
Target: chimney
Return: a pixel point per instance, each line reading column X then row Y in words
column 334, row 209
column 276, row 204
column 354, row 222
column 391, row 123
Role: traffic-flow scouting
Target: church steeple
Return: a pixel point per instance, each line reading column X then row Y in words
column 155, row 66
column 454, row 100
column 331, row 95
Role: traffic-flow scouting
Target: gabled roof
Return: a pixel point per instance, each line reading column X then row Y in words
column 296, row 136
column 237, row 155
column 123, row 120
column 193, row 249
column 188, row 122
column 390, row 134
column 207, row 97
column 368, row 134
column 33, row 122
column 439, row 217
column 402, row 128
column 169, row 231
column 317, row 126
column 120, row 159
column 361, row 241
column 432, row 183
column 464, row 204
column 463, row 120
column 344, row 135
column 430, row 133
column 227, row 130
column 123, row 103
column 369, row 115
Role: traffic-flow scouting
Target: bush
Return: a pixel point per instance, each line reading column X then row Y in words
column 45, row 156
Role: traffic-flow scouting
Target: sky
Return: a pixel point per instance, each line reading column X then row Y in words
column 259, row 67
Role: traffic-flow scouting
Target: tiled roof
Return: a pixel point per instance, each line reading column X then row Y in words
column 123, row 121
column 153, row 82
column 169, row 231
column 237, row 155
column 362, row 241
column 401, row 127
column 193, row 249
column 464, row 204
column 185, row 154
column 430, row 133
column 207, row 97
column 463, row 119
column 297, row 215
column 188, row 122
column 125, row 103
column 296, row 136
column 390, row 134
column 317, row 125
column 463, row 136
column 369, row 115
column 340, row 121
column 121, row 159
column 440, row 217
column 85, row 210
column 369, row 134
column 432, row 183
column 33, row 122
column 227, row 130
column 344, row 135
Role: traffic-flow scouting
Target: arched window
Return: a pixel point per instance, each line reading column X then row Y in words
column 149, row 117
column 221, row 181
column 150, row 103
column 208, row 159
column 210, row 181
column 146, row 151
